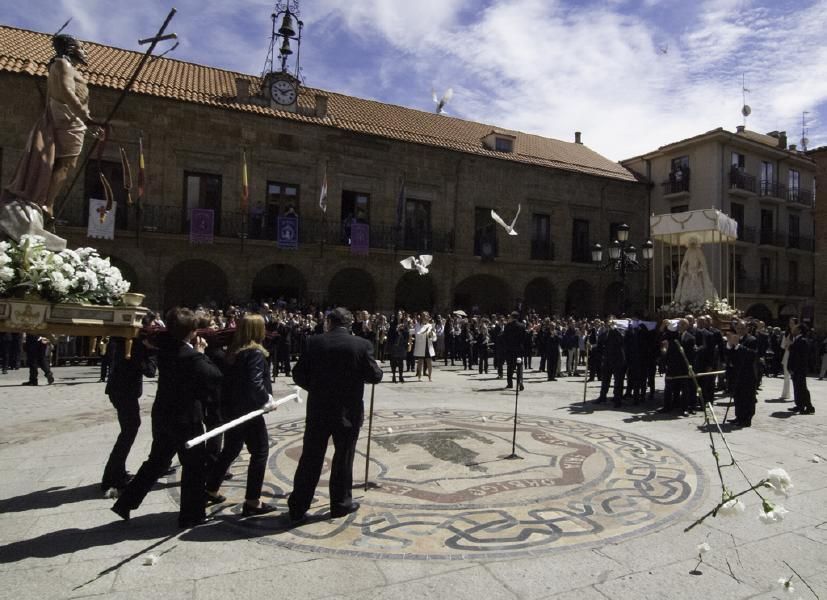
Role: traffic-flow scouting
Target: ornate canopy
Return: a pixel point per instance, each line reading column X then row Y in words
column 709, row 226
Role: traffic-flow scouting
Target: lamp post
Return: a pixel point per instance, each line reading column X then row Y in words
column 623, row 258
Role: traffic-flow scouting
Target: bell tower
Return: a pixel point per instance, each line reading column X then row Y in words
column 281, row 86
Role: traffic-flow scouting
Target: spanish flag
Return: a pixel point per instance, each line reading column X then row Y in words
column 245, row 190
column 141, row 168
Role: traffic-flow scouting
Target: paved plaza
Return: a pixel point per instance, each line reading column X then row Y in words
column 595, row 506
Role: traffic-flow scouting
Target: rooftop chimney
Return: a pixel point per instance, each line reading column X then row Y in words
column 782, row 139
column 740, row 128
column 793, row 147
column 242, row 87
column 321, row 106
column 577, row 137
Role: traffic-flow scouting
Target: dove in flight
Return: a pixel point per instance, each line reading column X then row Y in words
column 441, row 102
column 420, row 263
column 509, row 228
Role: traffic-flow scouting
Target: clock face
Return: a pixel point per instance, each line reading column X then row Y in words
column 283, row 92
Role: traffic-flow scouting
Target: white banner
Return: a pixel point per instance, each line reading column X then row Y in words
column 101, row 223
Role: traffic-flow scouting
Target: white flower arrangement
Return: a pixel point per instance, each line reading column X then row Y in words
column 719, row 308
column 80, row 275
column 779, row 482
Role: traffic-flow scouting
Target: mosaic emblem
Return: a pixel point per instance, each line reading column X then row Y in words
column 447, row 491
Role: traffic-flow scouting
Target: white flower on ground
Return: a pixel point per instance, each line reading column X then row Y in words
column 390, row 430
column 771, row 513
column 703, row 548
column 779, row 482
column 732, row 508
column 787, row 584
column 816, row 458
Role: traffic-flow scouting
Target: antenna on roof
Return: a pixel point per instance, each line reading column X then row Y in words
column 745, row 109
column 66, row 24
column 804, row 131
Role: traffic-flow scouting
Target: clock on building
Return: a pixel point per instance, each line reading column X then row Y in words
column 284, row 90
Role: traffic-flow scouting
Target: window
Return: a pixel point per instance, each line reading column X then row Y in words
column 503, row 145
column 485, row 234
column 418, row 225
column 793, row 184
column 679, row 175
column 679, row 208
column 767, row 179
column 93, row 188
column 766, row 270
column 355, row 207
column 792, row 272
column 541, row 237
column 580, row 248
column 202, row 190
column 794, row 231
column 282, row 199
column 739, row 161
column 767, row 229
column 736, row 211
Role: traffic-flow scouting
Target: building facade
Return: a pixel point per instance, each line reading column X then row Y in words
column 819, row 155
column 764, row 184
column 422, row 184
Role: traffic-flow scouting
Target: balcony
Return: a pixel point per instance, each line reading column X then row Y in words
column 798, row 288
column 747, row 234
column 674, row 186
column 770, row 237
column 773, row 189
column 800, row 196
column 741, row 183
column 800, row 242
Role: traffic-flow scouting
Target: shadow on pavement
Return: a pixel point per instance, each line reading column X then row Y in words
column 57, row 496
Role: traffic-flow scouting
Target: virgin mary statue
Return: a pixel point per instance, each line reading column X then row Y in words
column 694, row 284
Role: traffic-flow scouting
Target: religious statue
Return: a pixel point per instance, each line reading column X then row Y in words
column 52, row 150
column 694, row 284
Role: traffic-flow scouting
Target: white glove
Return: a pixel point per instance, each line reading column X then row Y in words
column 270, row 404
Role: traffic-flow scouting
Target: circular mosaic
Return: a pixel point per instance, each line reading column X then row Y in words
column 445, row 485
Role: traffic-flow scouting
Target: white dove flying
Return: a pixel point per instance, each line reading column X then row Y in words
column 441, row 102
column 509, row 228
column 420, row 263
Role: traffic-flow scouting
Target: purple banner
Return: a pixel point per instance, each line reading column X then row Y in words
column 202, row 223
column 359, row 238
column 287, row 232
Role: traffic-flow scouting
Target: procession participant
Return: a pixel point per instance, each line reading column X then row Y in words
column 124, row 388
column 38, row 356
column 250, row 389
column 595, row 350
column 633, row 347
column 704, row 359
column 499, row 348
column 763, row 347
column 614, row 364
column 797, row 364
column 333, row 369
column 483, row 343
column 512, row 338
column 552, row 350
column 424, row 346
column 743, row 351
column 185, row 376
column 786, row 342
column 398, row 337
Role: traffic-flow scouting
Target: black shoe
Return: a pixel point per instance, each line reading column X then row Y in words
column 296, row 519
column 599, row 401
column 552, row 379
column 170, row 471
column 663, row 410
column 809, row 410
column 341, row 512
column 228, row 476
column 122, row 512
column 261, row 509
column 190, row 523
column 50, row 378
column 795, row 409
column 522, row 387
column 29, row 383
column 217, row 499
column 509, row 386
column 617, row 404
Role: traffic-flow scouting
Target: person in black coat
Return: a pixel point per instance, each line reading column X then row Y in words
column 334, row 370
column 797, row 364
column 743, row 353
column 399, row 334
column 248, row 372
column 124, row 387
column 185, row 378
column 552, row 350
column 512, row 341
column 38, row 352
column 614, row 364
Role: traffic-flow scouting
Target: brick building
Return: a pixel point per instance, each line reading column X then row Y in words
column 196, row 120
column 764, row 184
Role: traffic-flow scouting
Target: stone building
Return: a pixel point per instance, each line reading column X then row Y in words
column 766, row 186
column 819, row 155
column 421, row 182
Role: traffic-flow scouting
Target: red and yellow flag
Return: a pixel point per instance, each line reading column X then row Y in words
column 141, row 167
column 245, row 190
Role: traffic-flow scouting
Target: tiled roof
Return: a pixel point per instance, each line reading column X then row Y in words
column 24, row 51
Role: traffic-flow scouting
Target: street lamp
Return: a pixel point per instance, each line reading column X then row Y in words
column 623, row 258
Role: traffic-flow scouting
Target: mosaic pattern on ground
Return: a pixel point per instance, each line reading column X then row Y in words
column 447, row 491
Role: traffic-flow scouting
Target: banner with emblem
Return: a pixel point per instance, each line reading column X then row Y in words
column 359, row 238
column 101, row 224
column 202, row 224
column 287, row 232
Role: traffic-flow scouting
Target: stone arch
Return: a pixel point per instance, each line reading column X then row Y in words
column 127, row 272
column 761, row 312
column 486, row 292
column 539, row 295
column 277, row 280
column 193, row 282
column 580, row 298
column 415, row 292
column 352, row 288
column 616, row 299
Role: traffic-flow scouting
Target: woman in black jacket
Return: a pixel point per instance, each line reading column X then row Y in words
column 248, row 370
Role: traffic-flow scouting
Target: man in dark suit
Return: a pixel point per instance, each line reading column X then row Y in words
column 124, row 388
column 614, row 364
column 743, row 350
column 512, row 342
column 334, row 369
column 38, row 355
column 186, row 377
column 797, row 365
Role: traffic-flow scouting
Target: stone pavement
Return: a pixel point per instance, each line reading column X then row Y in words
column 595, row 508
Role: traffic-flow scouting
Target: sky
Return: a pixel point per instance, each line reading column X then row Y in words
column 631, row 75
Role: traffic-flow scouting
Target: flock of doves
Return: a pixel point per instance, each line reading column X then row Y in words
column 421, row 263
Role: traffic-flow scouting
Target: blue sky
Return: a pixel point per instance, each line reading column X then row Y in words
column 632, row 75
